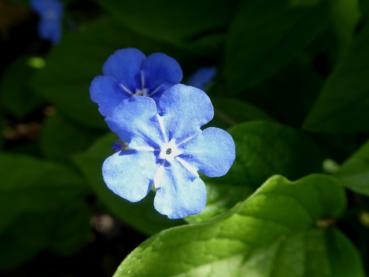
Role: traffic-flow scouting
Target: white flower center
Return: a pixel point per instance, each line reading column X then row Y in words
column 141, row 92
column 169, row 150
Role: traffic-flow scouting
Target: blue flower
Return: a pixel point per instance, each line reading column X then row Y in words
column 128, row 72
column 202, row 77
column 167, row 149
column 50, row 12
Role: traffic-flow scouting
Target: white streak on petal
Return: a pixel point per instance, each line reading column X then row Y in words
column 143, row 148
column 156, row 90
column 188, row 166
column 126, row 89
column 187, row 139
column 142, row 80
column 162, row 127
column 158, row 179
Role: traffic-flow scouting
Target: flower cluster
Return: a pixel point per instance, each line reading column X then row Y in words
column 50, row 13
column 160, row 121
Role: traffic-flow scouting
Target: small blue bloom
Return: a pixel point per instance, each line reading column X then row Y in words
column 202, row 77
column 128, row 72
column 50, row 12
column 167, row 149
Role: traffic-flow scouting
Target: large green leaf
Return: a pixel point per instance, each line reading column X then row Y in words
column 281, row 230
column 354, row 172
column 16, row 97
column 61, row 138
column 219, row 199
column 266, row 148
column 345, row 15
column 289, row 94
column 32, row 185
column 63, row 230
column 230, row 111
column 364, row 7
column 265, row 35
column 343, row 105
column 72, row 64
column 263, row 149
column 2, row 126
column 33, row 210
column 174, row 21
column 142, row 215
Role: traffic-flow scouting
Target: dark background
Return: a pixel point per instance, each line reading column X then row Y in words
column 273, row 59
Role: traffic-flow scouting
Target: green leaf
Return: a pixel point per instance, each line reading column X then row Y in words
column 33, row 210
column 364, row 7
column 343, row 105
column 266, row 148
column 63, row 231
column 140, row 216
column 61, row 138
column 354, row 173
column 288, row 95
column 266, row 35
column 2, row 127
column 219, row 199
column 345, row 15
column 32, row 185
column 174, row 21
column 16, row 97
column 281, row 230
column 70, row 228
column 230, row 111
column 72, row 64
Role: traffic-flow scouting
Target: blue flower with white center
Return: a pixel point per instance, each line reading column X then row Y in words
column 166, row 148
column 129, row 73
column 50, row 12
column 202, row 77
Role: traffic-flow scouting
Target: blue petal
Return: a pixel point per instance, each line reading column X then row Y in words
column 202, row 77
column 129, row 174
column 179, row 194
column 212, row 152
column 50, row 30
column 37, row 5
column 136, row 116
column 55, row 34
column 50, row 12
column 105, row 91
column 185, row 109
column 125, row 65
column 44, row 6
column 160, row 72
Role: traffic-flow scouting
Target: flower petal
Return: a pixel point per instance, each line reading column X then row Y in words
column 129, row 174
column 105, row 91
column 136, row 116
column 212, row 152
column 185, row 109
column 179, row 193
column 202, row 77
column 44, row 7
column 160, row 72
column 125, row 65
column 37, row 5
column 50, row 30
column 50, row 12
